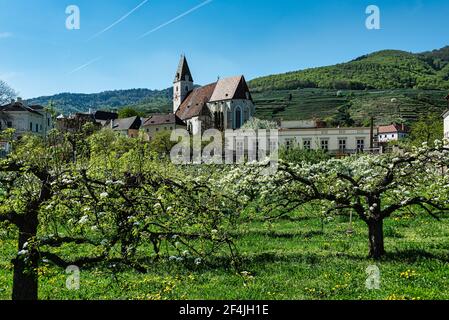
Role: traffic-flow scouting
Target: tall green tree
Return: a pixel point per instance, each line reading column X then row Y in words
column 427, row 129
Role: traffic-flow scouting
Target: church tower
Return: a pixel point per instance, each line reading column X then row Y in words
column 182, row 84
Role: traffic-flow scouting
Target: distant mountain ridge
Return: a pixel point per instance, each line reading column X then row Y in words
column 382, row 70
column 153, row 100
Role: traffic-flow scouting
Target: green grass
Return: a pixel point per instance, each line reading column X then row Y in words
column 287, row 259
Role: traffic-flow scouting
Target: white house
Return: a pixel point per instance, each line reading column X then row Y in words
column 333, row 140
column 393, row 132
column 25, row 119
column 225, row 104
column 446, row 124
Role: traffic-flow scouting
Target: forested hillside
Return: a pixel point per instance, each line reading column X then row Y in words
column 150, row 100
column 389, row 69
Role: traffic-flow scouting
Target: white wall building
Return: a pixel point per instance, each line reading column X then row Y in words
column 25, row 119
column 446, row 124
column 225, row 104
column 333, row 140
column 393, row 132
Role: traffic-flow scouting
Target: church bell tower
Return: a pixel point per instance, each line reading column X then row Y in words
column 182, row 84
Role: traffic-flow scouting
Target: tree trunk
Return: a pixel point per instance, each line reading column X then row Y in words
column 25, row 280
column 376, row 238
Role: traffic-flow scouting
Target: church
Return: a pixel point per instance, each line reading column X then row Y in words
column 225, row 104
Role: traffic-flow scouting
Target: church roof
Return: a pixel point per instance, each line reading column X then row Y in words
column 231, row 88
column 183, row 71
column 193, row 104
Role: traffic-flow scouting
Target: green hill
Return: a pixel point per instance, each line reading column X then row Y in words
column 151, row 101
column 349, row 107
column 389, row 69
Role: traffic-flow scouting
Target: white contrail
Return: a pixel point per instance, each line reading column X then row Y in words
column 85, row 65
column 175, row 19
column 118, row 21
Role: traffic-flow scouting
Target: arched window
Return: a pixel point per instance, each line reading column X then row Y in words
column 238, row 118
column 245, row 115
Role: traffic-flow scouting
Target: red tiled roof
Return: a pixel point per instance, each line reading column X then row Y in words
column 193, row 104
column 392, row 128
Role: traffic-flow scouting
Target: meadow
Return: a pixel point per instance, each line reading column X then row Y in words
column 300, row 257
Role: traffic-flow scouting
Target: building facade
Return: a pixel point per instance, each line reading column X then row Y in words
column 393, row 132
column 25, row 119
column 161, row 123
column 225, row 104
column 446, row 124
column 333, row 140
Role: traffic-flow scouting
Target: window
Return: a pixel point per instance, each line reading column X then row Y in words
column 307, row 144
column 9, row 124
column 37, row 127
column 48, row 121
column 157, row 129
column 360, row 145
column 342, row 145
column 31, row 126
column 289, row 143
column 238, row 118
column 325, row 144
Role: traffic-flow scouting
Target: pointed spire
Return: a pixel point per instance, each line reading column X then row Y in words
column 183, row 72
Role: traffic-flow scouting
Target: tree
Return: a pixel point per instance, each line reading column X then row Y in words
column 113, row 195
column 6, row 93
column 427, row 129
column 161, row 143
column 128, row 112
column 374, row 187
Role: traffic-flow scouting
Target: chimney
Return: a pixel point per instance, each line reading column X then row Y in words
column 19, row 99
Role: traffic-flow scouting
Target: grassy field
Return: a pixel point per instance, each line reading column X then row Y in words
column 298, row 258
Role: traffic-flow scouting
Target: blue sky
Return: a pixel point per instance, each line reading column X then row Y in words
column 39, row 56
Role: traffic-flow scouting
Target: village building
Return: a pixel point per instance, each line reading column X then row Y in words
column 392, row 132
column 75, row 122
column 25, row 118
column 313, row 135
column 127, row 127
column 225, row 104
column 446, row 121
column 158, row 123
